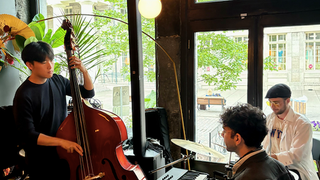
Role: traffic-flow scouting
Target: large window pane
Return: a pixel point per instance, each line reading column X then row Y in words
column 112, row 76
column 221, row 82
column 294, row 51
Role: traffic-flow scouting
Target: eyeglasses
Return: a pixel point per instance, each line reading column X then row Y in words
column 276, row 104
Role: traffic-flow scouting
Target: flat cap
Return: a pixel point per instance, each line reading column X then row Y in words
column 279, row 91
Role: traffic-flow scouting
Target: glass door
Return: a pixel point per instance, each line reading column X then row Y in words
column 221, row 81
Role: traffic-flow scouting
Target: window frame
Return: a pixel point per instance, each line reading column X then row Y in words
column 314, row 49
column 277, row 43
column 226, row 16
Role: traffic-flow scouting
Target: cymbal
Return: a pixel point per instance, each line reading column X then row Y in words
column 196, row 147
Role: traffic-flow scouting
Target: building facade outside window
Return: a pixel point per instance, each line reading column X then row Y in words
column 312, row 51
column 244, row 39
column 73, row 9
column 277, row 50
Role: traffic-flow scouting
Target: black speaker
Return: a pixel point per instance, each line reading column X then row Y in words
column 157, row 126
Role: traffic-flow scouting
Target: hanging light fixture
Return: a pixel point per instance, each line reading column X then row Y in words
column 149, row 8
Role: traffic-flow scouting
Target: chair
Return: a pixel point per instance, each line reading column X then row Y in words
column 316, row 154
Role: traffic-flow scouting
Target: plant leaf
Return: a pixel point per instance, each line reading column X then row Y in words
column 20, row 41
column 37, row 29
column 47, row 37
column 29, row 40
column 39, row 17
column 57, row 38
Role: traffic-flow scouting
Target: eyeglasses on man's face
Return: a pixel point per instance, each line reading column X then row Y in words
column 275, row 103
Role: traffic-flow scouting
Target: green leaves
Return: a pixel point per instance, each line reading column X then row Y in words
column 270, row 64
column 88, row 50
column 22, row 67
column 20, row 41
column 38, row 27
column 29, row 40
column 114, row 38
column 226, row 57
column 151, row 100
column 57, row 39
column 39, row 17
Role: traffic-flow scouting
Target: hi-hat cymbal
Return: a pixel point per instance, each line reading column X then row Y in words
column 196, row 147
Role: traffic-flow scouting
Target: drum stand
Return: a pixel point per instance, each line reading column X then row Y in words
column 184, row 158
column 228, row 168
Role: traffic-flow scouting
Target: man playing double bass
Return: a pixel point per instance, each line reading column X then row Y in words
column 39, row 109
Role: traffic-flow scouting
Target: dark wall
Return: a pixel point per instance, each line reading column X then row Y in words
column 168, row 36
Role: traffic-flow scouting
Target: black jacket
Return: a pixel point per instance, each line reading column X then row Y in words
column 261, row 167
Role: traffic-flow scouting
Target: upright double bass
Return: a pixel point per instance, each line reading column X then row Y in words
column 99, row 132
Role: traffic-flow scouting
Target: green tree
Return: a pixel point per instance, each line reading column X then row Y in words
column 227, row 57
column 114, row 38
column 223, row 54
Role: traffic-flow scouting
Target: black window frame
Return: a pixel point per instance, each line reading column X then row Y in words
column 235, row 15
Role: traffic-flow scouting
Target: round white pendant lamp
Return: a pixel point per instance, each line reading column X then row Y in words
column 149, row 8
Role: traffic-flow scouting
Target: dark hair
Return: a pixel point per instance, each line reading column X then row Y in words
column 37, row 51
column 248, row 121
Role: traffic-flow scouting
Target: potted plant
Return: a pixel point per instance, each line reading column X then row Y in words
column 14, row 30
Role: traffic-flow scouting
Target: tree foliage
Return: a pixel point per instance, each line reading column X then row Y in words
column 115, row 39
column 226, row 57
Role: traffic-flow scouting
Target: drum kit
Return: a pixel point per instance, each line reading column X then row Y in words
column 197, row 148
column 204, row 150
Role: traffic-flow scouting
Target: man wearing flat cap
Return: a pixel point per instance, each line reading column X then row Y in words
column 290, row 134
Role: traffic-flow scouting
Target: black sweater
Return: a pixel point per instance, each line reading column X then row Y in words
column 41, row 108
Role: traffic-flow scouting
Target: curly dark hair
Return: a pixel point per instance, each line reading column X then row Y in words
column 37, row 51
column 248, row 121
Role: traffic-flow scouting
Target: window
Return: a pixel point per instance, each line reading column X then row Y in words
column 303, row 48
column 277, row 50
column 312, row 51
column 222, row 77
column 244, row 39
column 112, row 80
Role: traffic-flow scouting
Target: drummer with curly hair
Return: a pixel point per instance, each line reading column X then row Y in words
column 244, row 128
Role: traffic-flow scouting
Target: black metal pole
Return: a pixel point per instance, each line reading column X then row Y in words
column 137, row 79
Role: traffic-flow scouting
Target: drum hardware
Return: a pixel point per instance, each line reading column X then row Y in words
column 196, row 147
column 184, row 158
column 204, row 150
column 228, row 167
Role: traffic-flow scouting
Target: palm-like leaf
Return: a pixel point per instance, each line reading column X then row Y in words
column 87, row 44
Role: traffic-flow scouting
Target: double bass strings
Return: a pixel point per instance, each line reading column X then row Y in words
column 79, row 118
column 82, row 136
